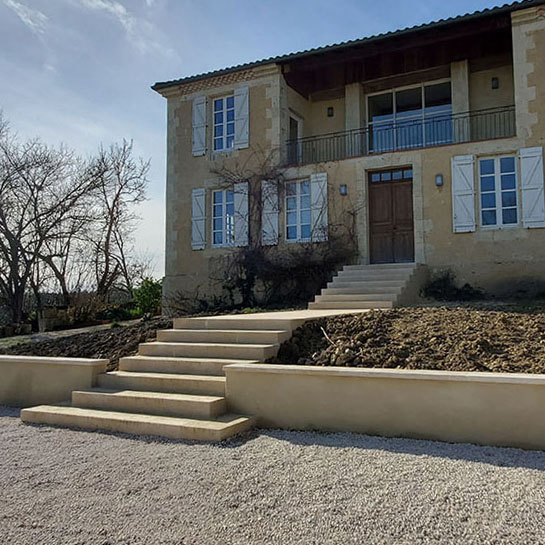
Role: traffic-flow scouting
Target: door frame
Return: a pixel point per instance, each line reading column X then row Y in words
column 368, row 184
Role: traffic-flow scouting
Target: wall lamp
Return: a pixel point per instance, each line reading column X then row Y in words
column 343, row 190
column 439, row 180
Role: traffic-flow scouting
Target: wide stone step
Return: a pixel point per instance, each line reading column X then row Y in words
column 209, row 350
column 380, row 267
column 186, row 366
column 224, row 335
column 356, row 297
column 351, row 305
column 234, row 322
column 364, row 284
column 372, row 275
column 363, row 290
column 139, row 424
column 163, row 382
column 159, row 403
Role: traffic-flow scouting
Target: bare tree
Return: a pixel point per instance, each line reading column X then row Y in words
column 41, row 190
column 122, row 186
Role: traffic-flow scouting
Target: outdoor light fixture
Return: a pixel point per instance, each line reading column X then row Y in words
column 343, row 189
column 495, row 83
column 439, row 180
column 330, row 111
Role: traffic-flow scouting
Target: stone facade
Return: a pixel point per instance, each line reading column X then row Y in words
column 503, row 261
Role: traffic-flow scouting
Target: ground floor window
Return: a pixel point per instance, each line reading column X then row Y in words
column 223, row 217
column 298, row 224
column 498, row 191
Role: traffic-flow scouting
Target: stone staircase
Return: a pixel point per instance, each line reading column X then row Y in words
column 362, row 287
column 175, row 386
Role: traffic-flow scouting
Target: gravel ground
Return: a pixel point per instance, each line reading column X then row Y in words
column 64, row 487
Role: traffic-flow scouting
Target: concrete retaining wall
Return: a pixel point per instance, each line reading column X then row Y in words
column 30, row 380
column 482, row 408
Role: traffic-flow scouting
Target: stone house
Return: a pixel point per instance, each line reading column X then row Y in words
column 432, row 136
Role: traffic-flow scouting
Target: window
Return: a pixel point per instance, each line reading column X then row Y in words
column 391, row 175
column 298, row 211
column 224, row 123
column 410, row 118
column 498, row 192
column 223, row 217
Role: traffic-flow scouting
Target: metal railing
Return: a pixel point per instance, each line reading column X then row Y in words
column 437, row 130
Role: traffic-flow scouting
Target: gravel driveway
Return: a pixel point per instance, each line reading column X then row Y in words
column 64, row 487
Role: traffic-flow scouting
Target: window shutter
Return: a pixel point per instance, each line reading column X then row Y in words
column 241, row 214
column 463, row 194
column 531, row 183
column 198, row 219
column 269, row 212
column 241, row 118
column 318, row 207
column 199, row 126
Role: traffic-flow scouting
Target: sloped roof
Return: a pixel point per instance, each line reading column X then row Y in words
column 498, row 10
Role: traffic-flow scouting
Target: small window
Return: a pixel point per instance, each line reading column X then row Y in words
column 223, row 217
column 298, row 224
column 498, row 192
column 224, row 123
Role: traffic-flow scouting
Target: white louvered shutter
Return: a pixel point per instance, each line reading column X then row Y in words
column 199, row 126
column 269, row 213
column 198, row 219
column 531, row 183
column 463, row 194
column 241, row 214
column 242, row 118
column 318, row 207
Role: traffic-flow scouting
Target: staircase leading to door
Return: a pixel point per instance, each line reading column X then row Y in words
column 175, row 386
column 361, row 287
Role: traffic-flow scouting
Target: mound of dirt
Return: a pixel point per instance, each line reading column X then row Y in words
column 449, row 339
column 113, row 343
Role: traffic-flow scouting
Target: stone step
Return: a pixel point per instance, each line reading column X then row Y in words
column 253, row 336
column 163, row 382
column 185, row 366
column 158, row 403
column 209, row 350
column 139, row 424
column 380, row 266
column 363, row 290
column 351, row 305
column 367, row 284
column 356, row 297
column 234, row 322
column 372, row 275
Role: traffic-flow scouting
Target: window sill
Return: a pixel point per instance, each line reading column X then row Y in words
column 499, row 227
column 297, row 240
column 215, row 246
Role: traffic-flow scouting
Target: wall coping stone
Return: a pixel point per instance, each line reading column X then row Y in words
column 47, row 360
column 395, row 374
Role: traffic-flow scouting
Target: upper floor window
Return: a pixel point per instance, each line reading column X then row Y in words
column 498, row 192
column 224, row 123
column 223, row 217
column 410, row 118
column 298, row 223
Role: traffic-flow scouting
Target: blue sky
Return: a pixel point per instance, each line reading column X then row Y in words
column 80, row 71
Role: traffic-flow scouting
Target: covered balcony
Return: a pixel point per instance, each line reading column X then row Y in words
column 435, row 128
column 436, row 85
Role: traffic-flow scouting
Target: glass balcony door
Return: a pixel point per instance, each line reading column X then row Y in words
column 410, row 118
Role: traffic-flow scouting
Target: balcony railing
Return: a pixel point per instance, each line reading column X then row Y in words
column 438, row 130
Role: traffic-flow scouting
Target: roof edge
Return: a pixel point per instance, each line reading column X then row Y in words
column 488, row 12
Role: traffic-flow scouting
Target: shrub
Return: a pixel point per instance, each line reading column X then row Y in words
column 443, row 288
column 148, row 296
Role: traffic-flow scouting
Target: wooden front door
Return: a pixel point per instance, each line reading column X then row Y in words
column 391, row 216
